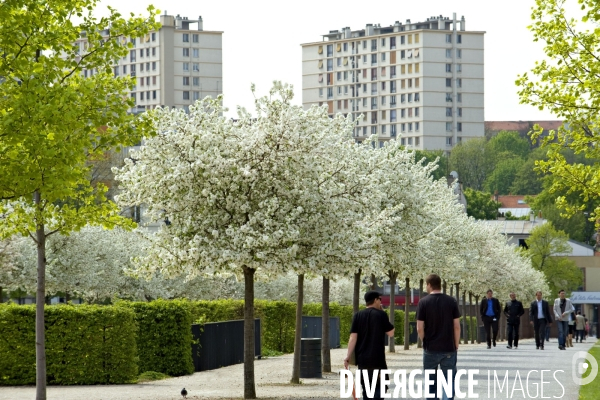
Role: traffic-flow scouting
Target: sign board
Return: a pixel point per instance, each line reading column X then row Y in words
column 585, row 298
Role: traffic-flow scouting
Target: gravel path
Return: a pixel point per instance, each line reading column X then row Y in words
column 273, row 375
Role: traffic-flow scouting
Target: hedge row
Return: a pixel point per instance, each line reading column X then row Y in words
column 85, row 345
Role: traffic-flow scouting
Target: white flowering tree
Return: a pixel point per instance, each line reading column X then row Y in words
column 242, row 196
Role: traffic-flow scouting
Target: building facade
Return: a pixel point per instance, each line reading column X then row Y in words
column 174, row 66
column 422, row 82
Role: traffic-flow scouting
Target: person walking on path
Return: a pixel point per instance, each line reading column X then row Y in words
column 367, row 341
column 540, row 318
column 579, row 327
column 562, row 311
column 438, row 327
column 490, row 314
column 513, row 311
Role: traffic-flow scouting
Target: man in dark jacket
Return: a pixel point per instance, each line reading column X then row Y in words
column 490, row 314
column 513, row 311
column 539, row 317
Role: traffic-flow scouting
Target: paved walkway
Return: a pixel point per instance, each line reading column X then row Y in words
column 273, row 374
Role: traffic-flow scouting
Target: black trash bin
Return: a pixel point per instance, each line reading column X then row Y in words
column 310, row 358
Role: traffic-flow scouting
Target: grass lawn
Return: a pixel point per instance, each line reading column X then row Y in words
column 591, row 391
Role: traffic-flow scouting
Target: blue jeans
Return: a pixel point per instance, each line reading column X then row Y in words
column 563, row 331
column 444, row 361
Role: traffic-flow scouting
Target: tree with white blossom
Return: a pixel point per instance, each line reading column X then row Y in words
column 241, row 195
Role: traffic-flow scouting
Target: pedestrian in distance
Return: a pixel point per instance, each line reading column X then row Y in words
column 562, row 311
column 540, row 318
column 513, row 311
column 490, row 315
column 438, row 327
column 367, row 341
column 579, row 327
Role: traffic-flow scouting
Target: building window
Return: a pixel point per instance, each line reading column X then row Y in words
column 186, row 66
column 148, row 52
column 392, row 100
column 345, row 46
column 417, row 129
column 195, row 96
column 402, row 98
column 448, row 82
column 141, row 96
column 459, row 111
column 393, row 88
column 403, row 140
column 417, row 97
column 339, row 76
column 458, row 67
column 458, row 53
column 459, row 126
column 345, row 75
column 459, row 97
column 459, row 39
column 402, row 113
column 364, row 88
column 154, row 36
column 330, row 64
column 448, row 97
column 124, row 70
column 330, row 93
column 410, row 113
column 132, row 56
column 329, row 50
column 448, row 67
column 339, row 90
column 410, row 97
column 382, row 56
column 196, row 67
column 410, row 125
column 133, row 96
column 448, row 126
column 132, row 42
column 195, row 38
column 448, row 53
column 154, row 80
column 448, row 38
column 373, row 74
column 448, row 141
column 186, row 52
column 402, row 54
column 186, row 38
column 153, row 65
column 154, row 94
column 141, row 67
column 373, row 58
column 196, row 53
column 448, row 111
column 393, row 71
column 459, row 82
column 393, row 42
column 186, row 95
column 339, row 61
column 383, row 100
column 393, row 115
column 416, row 111
column 154, row 51
column 374, row 88
column 186, row 81
column 365, row 59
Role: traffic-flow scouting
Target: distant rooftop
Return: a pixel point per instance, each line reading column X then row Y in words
column 516, row 227
column 434, row 23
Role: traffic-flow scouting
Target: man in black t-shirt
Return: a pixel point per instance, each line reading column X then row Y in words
column 439, row 328
column 367, row 337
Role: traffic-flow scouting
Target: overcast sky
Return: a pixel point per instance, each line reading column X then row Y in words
column 261, row 40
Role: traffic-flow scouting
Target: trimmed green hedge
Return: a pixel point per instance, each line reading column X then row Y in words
column 164, row 337
column 85, row 345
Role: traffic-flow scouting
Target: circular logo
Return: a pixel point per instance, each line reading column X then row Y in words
column 582, row 362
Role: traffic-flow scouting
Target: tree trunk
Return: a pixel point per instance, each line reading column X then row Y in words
column 325, row 350
column 298, row 336
column 477, row 319
column 67, row 297
column 406, row 314
column 40, row 296
column 471, row 318
column 392, row 341
column 373, row 282
column 419, row 341
column 356, row 295
column 249, row 385
column 465, row 332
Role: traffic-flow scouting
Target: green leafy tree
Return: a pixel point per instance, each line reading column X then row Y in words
column 528, row 180
column 508, row 142
column 481, row 205
column 567, row 84
column 502, row 177
column 547, row 247
column 50, row 123
column 430, row 156
column 470, row 161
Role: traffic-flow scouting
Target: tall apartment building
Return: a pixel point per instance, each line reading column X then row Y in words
column 174, row 66
column 421, row 80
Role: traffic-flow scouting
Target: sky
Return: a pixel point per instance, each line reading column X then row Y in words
column 261, row 40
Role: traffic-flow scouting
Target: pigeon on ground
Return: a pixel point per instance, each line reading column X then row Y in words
column 184, row 393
